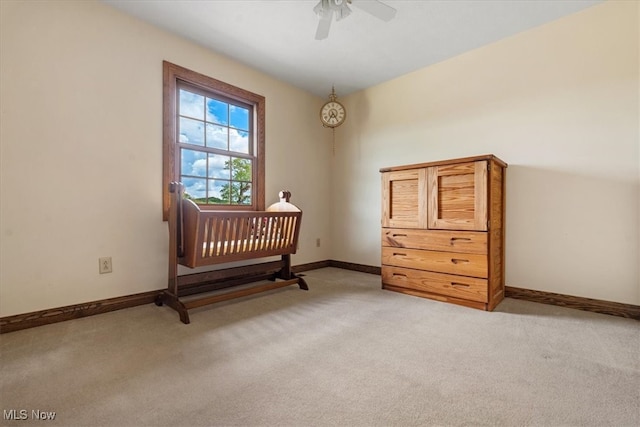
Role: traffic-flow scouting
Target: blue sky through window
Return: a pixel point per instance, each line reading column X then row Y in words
column 212, row 123
column 217, row 112
column 239, row 117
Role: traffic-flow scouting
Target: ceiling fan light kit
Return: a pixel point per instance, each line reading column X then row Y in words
column 325, row 9
column 329, row 7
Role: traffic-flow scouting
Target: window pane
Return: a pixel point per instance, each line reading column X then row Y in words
column 218, row 192
column 193, row 163
column 191, row 131
column 219, row 166
column 217, row 112
column 240, row 169
column 239, row 117
column 241, row 193
column 195, row 189
column 191, row 104
column 239, row 141
column 217, row 136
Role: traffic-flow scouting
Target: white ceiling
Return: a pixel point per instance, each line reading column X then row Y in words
column 278, row 36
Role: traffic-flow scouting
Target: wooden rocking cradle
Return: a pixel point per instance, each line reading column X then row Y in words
column 208, row 237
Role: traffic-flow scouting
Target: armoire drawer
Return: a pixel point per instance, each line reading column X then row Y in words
column 474, row 242
column 468, row 288
column 465, row 264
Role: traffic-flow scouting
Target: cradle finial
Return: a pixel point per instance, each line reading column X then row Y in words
column 284, row 195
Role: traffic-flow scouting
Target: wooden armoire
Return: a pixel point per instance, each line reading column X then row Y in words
column 443, row 230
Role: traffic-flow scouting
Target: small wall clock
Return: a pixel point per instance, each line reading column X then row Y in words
column 332, row 113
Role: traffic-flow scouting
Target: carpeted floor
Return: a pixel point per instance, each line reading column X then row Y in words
column 345, row 353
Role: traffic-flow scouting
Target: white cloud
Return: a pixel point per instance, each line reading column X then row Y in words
column 191, row 104
column 216, row 136
column 238, row 141
column 216, row 166
column 199, row 168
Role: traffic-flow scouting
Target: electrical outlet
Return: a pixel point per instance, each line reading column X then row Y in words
column 105, row 265
column 318, row 242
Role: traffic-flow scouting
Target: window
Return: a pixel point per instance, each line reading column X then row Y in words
column 213, row 141
column 216, row 156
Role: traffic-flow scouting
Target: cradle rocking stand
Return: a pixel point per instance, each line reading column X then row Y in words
column 201, row 237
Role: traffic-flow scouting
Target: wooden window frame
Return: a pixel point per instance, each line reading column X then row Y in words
column 174, row 74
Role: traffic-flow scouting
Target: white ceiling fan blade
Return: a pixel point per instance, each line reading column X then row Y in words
column 376, row 8
column 324, row 25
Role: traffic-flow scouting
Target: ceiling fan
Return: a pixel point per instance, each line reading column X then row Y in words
column 325, row 9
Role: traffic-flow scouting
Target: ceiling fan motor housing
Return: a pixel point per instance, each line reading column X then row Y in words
column 325, row 9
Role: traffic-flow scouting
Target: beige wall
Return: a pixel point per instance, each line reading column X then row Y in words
column 559, row 104
column 81, row 155
column 81, row 160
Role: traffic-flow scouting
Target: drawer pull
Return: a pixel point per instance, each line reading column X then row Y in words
column 462, row 239
column 399, row 235
column 399, row 254
column 458, row 261
column 462, row 285
column 399, row 274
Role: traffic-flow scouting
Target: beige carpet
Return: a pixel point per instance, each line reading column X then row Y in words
column 345, row 353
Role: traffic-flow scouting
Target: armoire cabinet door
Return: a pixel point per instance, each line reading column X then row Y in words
column 458, row 196
column 404, row 199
